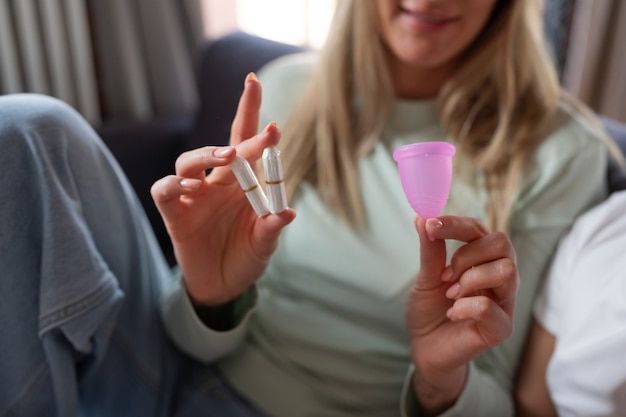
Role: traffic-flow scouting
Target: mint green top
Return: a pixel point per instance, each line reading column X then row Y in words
column 327, row 335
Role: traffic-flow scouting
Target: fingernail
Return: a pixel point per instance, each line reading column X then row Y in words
column 268, row 127
column 449, row 313
column 190, row 184
column 453, row 291
column 250, row 77
column 447, row 275
column 223, row 152
column 433, row 223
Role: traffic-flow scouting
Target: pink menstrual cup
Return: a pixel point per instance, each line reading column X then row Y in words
column 426, row 174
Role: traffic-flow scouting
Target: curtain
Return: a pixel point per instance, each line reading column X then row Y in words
column 109, row 59
column 595, row 65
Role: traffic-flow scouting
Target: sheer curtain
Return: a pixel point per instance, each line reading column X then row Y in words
column 595, row 65
column 110, row 59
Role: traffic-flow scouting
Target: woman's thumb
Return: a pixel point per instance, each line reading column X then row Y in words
column 432, row 254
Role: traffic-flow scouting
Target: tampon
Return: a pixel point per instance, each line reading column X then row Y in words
column 275, row 184
column 250, row 185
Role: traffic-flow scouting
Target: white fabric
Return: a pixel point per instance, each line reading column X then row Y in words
column 584, row 306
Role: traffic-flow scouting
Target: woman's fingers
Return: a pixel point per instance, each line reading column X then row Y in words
column 487, row 248
column 246, row 121
column 269, row 228
column 243, row 133
column 432, row 258
column 499, row 277
column 486, row 263
column 494, row 324
column 194, row 163
column 252, row 149
column 190, row 175
column 464, row 229
column 172, row 187
column 167, row 191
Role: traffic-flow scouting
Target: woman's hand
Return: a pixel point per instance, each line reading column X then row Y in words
column 456, row 312
column 220, row 244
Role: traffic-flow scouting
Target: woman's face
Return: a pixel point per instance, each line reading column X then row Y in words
column 426, row 37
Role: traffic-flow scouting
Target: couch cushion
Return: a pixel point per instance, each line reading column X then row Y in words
column 617, row 174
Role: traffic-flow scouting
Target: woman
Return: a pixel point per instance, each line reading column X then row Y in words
column 346, row 318
column 329, row 327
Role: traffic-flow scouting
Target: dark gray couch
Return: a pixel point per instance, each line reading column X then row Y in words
column 617, row 174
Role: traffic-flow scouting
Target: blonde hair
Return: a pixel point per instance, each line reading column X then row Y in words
column 494, row 108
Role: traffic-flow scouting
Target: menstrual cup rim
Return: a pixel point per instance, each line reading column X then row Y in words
column 418, row 148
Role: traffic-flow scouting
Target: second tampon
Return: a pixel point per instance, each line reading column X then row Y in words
column 275, row 183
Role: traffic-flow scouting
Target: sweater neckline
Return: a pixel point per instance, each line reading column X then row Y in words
column 413, row 115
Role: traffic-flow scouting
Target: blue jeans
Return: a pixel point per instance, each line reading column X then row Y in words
column 81, row 275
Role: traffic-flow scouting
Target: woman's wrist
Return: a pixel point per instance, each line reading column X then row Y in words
column 226, row 316
column 437, row 392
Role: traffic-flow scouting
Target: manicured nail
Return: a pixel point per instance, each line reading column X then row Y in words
column 454, row 291
column 224, row 152
column 433, row 223
column 190, row 184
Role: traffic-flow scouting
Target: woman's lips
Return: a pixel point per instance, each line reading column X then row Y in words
column 427, row 17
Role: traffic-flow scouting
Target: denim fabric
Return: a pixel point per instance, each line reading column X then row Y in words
column 80, row 280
